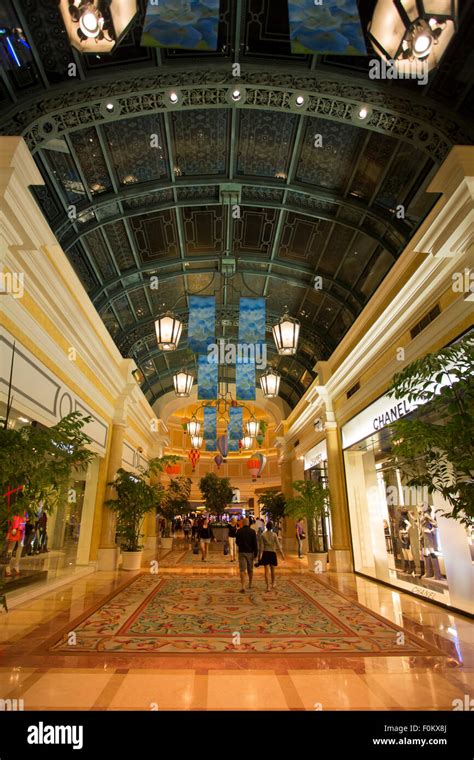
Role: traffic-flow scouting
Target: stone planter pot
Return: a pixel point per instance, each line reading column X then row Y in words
column 220, row 534
column 132, row 560
column 317, row 562
column 166, row 543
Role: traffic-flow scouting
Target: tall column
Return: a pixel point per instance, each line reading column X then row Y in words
column 108, row 550
column 286, row 470
column 340, row 555
column 151, row 527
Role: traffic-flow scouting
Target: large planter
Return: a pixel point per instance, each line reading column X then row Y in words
column 220, row 533
column 132, row 560
column 317, row 561
column 166, row 543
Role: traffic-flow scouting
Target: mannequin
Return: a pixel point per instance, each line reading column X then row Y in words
column 429, row 527
column 404, row 526
column 414, row 535
column 15, row 536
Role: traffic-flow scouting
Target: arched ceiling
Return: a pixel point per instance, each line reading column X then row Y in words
column 143, row 191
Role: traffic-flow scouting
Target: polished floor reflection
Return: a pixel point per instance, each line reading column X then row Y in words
column 104, row 680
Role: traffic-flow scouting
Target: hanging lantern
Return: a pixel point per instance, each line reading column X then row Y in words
column 253, row 467
column 218, row 460
column 412, row 30
column 168, row 331
column 193, row 426
column 194, row 457
column 172, row 469
column 286, row 334
column 263, row 460
column 183, row 382
column 270, row 383
column 223, row 445
column 196, row 441
column 247, row 442
column 253, row 427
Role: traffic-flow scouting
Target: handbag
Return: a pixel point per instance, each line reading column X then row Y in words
column 196, row 548
column 226, row 549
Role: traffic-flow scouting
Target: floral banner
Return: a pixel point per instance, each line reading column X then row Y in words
column 207, row 379
column 252, row 320
column 202, row 323
column 332, row 27
column 235, row 427
column 187, row 24
column 210, row 428
column 245, row 381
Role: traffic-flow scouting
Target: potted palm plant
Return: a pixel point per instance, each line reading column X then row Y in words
column 135, row 498
column 218, row 494
column 175, row 501
column 312, row 504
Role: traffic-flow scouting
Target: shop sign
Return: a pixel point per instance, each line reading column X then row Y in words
column 378, row 415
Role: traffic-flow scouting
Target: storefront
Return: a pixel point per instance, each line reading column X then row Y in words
column 399, row 535
column 315, row 468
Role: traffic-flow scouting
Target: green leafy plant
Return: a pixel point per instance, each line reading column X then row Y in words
column 313, row 503
column 217, row 493
column 435, row 448
column 135, row 498
column 42, row 460
column 272, row 504
column 175, row 501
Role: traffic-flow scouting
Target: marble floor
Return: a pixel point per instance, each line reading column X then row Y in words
column 100, row 681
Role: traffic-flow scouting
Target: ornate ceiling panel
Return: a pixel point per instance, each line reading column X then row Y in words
column 200, row 142
column 156, row 236
column 137, row 149
column 86, row 146
column 205, row 229
column 254, row 231
column 328, row 164
column 265, row 144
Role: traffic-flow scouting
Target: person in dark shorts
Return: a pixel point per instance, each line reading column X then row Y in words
column 205, row 536
column 268, row 546
column 246, row 540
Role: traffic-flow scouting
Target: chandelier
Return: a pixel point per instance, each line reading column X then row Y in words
column 89, row 31
column 410, row 30
column 270, row 383
column 286, row 334
column 183, row 382
column 168, row 331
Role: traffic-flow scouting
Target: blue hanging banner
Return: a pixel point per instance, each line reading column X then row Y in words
column 202, row 324
column 235, row 427
column 191, row 25
column 207, row 379
column 210, row 428
column 252, row 320
column 245, row 381
column 332, row 27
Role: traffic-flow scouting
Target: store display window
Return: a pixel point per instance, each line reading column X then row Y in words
column 399, row 533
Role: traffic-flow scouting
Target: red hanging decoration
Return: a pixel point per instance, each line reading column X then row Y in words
column 172, row 469
column 194, row 457
column 254, row 468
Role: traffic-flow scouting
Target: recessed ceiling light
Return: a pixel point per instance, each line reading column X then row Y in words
column 363, row 113
column 299, row 100
column 110, row 106
column 173, row 97
column 236, row 94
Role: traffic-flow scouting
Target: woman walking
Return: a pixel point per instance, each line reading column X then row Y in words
column 233, row 528
column 300, row 535
column 268, row 546
column 205, row 536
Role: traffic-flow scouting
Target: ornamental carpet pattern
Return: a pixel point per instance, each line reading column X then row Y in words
column 176, row 615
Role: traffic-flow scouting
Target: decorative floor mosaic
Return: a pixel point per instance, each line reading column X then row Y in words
column 205, row 615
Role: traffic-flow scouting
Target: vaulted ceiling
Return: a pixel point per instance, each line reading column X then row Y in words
column 141, row 190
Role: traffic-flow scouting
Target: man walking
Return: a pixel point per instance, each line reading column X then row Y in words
column 247, row 545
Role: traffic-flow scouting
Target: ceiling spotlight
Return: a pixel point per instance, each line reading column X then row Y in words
column 236, row 95
column 363, row 113
column 173, row 97
column 299, row 100
column 110, row 107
